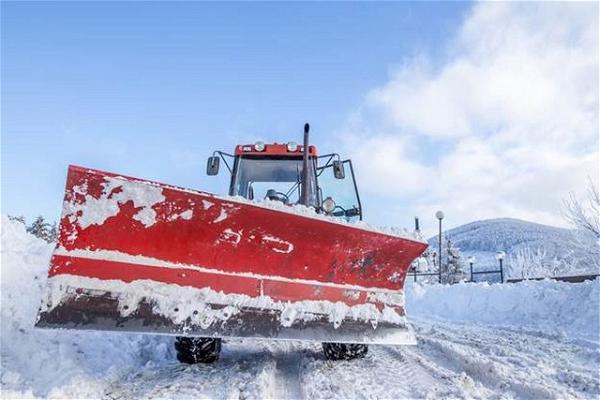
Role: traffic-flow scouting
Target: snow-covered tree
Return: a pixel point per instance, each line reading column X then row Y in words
column 584, row 216
column 53, row 232
column 452, row 263
column 15, row 218
column 528, row 263
column 42, row 229
column 452, row 271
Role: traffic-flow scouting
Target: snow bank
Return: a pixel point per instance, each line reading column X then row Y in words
column 57, row 364
column 572, row 309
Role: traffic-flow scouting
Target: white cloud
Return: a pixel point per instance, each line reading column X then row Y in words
column 506, row 125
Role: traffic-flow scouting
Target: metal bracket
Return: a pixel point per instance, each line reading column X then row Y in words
column 222, row 154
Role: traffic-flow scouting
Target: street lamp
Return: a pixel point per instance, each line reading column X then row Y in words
column 471, row 260
column 440, row 216
column 500, row 256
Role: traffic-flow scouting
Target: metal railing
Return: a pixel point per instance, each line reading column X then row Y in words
column 414, row 273
column 570, row 279
column 493, row 271
column 499, row 271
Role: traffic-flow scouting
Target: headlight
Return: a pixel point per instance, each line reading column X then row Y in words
column 328, row 205
column 292, row 146
column 259, row 146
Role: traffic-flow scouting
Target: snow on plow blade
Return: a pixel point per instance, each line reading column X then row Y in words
column 139, row 256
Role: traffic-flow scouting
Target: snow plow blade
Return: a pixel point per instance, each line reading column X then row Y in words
column 140, row 256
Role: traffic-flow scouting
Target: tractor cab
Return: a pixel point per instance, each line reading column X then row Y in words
column 276, row 172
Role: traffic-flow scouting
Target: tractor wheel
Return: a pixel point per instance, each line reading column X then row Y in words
column 197, row 350
column 344, row 351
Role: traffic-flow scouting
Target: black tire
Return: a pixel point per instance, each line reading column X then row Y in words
column 344, row 351
column 197, row 350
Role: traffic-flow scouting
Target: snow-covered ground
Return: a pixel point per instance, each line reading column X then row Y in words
column 528, row 340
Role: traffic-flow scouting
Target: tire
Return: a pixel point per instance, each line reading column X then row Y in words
column 344, row 351
column 197, row 350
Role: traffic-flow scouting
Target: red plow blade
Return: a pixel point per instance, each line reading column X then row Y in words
column 139, row 256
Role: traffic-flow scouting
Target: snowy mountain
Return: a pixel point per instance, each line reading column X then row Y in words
column 531, row 249
column 508, row 235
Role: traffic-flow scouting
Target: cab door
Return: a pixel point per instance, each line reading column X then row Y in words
column 344, row 192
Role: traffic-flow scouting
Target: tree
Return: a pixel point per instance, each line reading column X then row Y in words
column 53, row 233
column 452, row 263
column 529, row 263
column 453, row 266
column 19, row 218
column 584, row 216
column 43, row 230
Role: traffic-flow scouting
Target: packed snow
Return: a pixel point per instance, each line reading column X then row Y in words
column 286, row 247
column 117, row 191
column 528, row 340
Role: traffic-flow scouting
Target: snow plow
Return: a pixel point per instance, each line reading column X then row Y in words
column 278, row 258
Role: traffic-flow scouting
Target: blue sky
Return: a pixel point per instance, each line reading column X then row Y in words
column 150, row 89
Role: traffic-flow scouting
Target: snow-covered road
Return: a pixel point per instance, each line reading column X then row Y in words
column 529, row 340
column 451, row 360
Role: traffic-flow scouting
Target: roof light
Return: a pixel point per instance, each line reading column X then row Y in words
column 259, row 146
column 292, row 146
column 246, row 148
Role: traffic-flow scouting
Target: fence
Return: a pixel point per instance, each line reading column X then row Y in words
column 499, row 271
column 493, row 271
column 415, row 274
column 571, row 279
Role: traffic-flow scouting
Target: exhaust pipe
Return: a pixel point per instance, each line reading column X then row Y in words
column 305, row 187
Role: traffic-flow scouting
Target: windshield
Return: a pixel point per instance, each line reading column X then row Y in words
column 254, row 177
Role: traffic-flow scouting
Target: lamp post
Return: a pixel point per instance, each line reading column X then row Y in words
column 471, row 260
column 440, row 216
column 500, row 256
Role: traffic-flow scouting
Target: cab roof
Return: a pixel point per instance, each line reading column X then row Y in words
column 273, row 149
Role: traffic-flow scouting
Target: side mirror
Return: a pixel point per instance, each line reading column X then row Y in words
column 338, row 170
column 212, row 166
